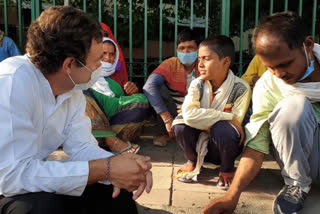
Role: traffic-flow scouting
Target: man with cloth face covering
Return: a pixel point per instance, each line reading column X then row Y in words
column 167, row 86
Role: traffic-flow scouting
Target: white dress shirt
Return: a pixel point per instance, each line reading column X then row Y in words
column 33, row 124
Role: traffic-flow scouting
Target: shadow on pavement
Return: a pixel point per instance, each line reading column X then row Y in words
column 146, row 210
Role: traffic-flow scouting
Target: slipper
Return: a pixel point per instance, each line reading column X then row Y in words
column 225, row 177
column 128, row 149
column 185, row 180
column 183, row 170
column 222, row 187
column 186, row 167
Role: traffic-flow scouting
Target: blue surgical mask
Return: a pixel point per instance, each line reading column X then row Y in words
column 187, row 58
column 310, row 68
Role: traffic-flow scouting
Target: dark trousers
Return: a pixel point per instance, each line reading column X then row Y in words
column 223, row 145
column 96, row 199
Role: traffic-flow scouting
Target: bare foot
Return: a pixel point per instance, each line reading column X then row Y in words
column 187, row 167
column 117, row 145
column 225, row 180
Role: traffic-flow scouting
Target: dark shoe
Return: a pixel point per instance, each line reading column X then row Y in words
column 289, row 200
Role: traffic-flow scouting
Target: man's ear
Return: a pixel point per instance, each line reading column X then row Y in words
column 309, row 43
column 67, row 64
column 227, row 62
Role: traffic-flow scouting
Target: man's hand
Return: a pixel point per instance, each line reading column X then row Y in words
column 238, row 126
column 130, row 172
column 249, row 166
column 167, row 120
column 130, row 88
column 223, row 205
column 169, row 128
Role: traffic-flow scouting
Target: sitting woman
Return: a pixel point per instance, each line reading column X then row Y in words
column 126, row 114
column 102, row 131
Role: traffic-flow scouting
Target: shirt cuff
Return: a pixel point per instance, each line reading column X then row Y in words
column 226, row 116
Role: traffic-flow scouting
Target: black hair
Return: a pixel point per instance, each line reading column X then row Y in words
column 189, row 35
column 287, row 26
column 110, row 42
column 222, row 45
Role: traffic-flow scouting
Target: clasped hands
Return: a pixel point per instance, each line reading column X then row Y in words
column 131, row 172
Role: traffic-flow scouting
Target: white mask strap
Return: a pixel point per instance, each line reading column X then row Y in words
column 305, row 51
column 85, row 66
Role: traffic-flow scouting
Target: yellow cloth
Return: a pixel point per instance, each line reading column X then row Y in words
column 255, row 68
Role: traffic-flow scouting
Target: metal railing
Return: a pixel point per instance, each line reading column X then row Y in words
column 225, row 8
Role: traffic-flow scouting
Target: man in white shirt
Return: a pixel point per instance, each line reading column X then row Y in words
column 41, row 108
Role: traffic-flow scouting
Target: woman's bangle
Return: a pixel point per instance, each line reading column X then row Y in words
column 168, row 120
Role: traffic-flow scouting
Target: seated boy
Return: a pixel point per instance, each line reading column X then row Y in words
column 216, row 103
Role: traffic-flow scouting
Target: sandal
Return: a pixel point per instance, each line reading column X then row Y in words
column 187, row 167
column 225, row 180
column 185, row 180
column 129, row 148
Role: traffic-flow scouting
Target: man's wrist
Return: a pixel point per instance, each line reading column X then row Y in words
column 108, row 167
column 169, row 120
column 165, row 116
column 233, row 194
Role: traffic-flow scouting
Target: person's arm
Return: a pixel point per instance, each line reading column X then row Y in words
column 197, row 117
column 152, row 89
column 12, row 48
column 240, row 107
column 257, row 144
column 122, row 173
column 22, row 165
column 80, row 144
column 242, row 103
column 126, row 171
column 249, row 166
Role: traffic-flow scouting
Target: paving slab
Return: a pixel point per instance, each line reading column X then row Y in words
column 161, row 156
column 207, row 181
column 162, row 177
column 155, row 197
column 161, row 209
column 312, row 203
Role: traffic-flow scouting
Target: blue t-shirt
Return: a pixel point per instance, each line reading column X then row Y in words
column 8, row 49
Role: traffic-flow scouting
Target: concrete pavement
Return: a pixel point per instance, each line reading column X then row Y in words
column 170, row 196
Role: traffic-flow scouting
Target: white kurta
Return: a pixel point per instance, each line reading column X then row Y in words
column 33, row 124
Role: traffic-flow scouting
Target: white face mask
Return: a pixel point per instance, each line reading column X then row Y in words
column 94, row 77
column 107, row 69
